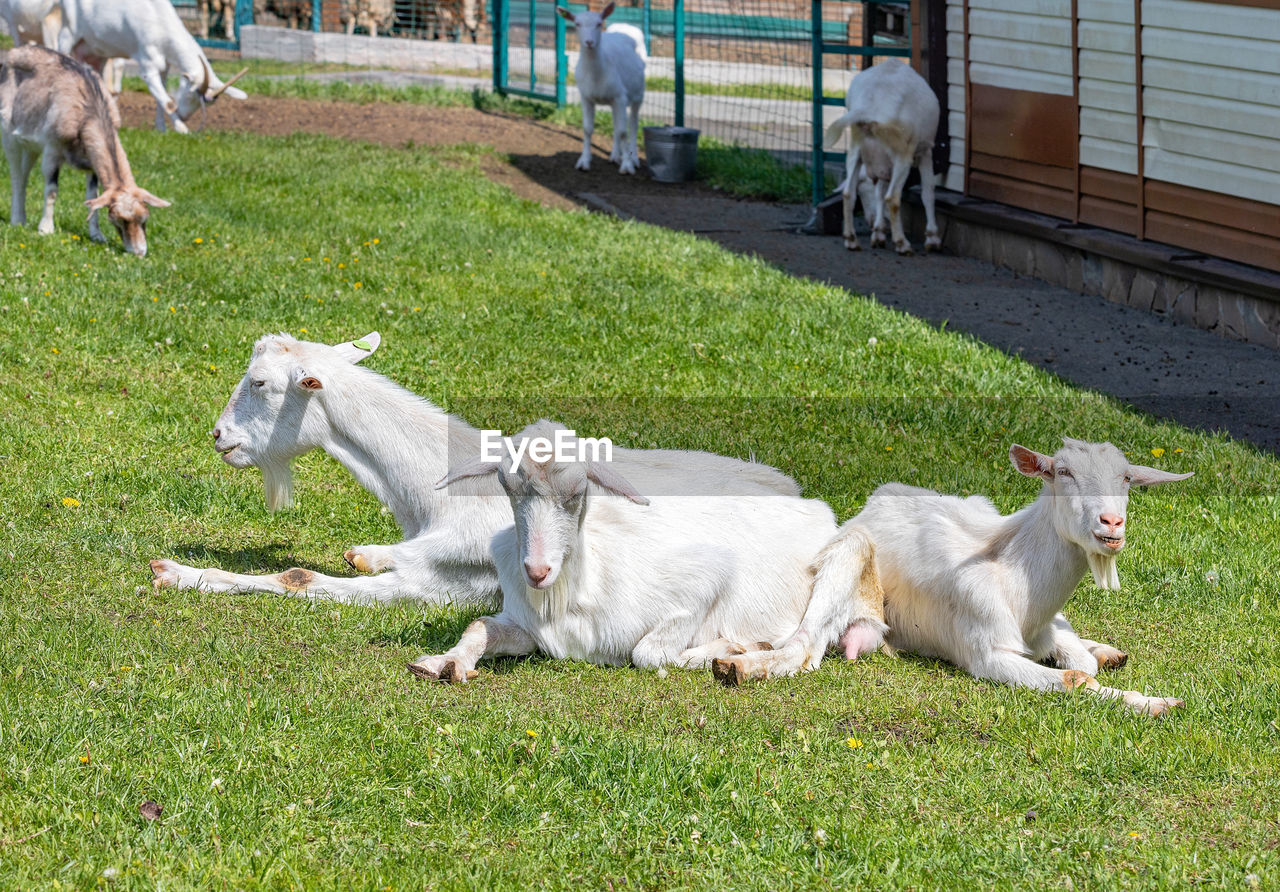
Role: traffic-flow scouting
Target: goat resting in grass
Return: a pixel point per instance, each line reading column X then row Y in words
column 892, row 121
column 702, row 567
column 297, row 396
column 150, row 33
column 54, row 108
column 610, row 71
column 985, row 591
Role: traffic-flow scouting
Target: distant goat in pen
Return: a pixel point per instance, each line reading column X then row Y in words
column 55, row 108
column 610, row 71
column 891, row 122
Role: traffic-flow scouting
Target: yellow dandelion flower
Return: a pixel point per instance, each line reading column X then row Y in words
column 1157, row 452
column 533, row 734
column 84, row 760
column 342, row 266
column 55, row 349
column 871, row 765
column 375, row 241
column 1135, row 834
column 21, row 245
column 1176, row 450
column 198, row 241
column 172, row 310
column 325, row 259
column 417, row 309
column 76, row 237
column 853, row 743
column 303, row 330
column 888, row 449
column 306, row 258
column 154, row 299
column 126, row 668
column 48, row 293
column 358, row 285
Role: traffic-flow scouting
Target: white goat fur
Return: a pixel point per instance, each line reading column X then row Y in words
column 985, row 591
column 32, row 21
column 297, row 396
column 892, row 121
column 372, row 15
column 700, row 568
column 610, row 71
column 150, row 33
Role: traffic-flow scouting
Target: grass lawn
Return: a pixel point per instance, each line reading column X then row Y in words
column 289, row 747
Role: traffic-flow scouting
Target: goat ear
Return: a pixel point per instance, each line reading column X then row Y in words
column 308, row 382
column 607, row 11
column 1141, row 475
column 148, row 199
column 1031, row 463
column 354, row 351
column 606, row 478
column 98, row 203
column 477, row 468
column 564, row 13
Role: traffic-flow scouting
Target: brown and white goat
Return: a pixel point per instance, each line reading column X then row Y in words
column 54, row 107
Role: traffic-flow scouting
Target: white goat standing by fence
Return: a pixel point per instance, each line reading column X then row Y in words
column 610, row 71
column 371, row 15
column 54, row 108
column 709, row 565
column 150, row 33
column 892, row 121
column 985, row 591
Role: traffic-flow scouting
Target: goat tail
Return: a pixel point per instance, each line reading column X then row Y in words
column 836, row 130
column 847, row 594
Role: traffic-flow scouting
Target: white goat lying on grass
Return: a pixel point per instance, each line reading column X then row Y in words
column 54, row 108
column 892, row 121
column 985, row 591
column 298, row 395
column 610, row 71
column 702, row 567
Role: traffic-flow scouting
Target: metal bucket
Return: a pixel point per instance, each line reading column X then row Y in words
column 672, row 153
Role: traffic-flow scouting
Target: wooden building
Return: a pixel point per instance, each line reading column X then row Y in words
column 1159, row 119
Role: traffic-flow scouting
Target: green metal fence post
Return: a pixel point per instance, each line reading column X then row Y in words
column 244, row 15
column 679, row 40
column 647, row 22
column 500, row 18
column 562, row 63
column 317, row 7
column 819, row 173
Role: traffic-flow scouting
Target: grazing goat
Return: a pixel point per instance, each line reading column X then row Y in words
column 297, row 396
column 703, row 567
column 368, row 14
column 32, row 21
column 54, row 108
column 150, row 33
column 444, row 18
column 610, row 71
column 891, row 121
column 985, row 591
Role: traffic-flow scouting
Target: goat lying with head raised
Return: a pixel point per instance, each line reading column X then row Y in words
column 985, row 591
column 55, row 108
column 706, row 564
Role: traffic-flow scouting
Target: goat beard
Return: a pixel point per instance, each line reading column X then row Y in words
column 277, row 485
column 1104, row 570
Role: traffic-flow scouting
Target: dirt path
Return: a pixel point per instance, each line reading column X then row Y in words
column 1172, row 370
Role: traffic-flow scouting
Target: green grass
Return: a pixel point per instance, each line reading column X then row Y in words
column 289, row 747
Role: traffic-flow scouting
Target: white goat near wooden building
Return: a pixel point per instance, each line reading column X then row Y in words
column 891, row 123
column 984, row 591
column 54, row 108
column 150, row 33
column 690, row 565
column 610, row 71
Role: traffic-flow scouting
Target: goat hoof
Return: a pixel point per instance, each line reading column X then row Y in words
column 165, row 575
column 583, row 164
column 904, row 249
column 1111, row 658
column 852, row 244
column 728, row 672
column 1158, row 706
column 356, row 561
column 932, row 244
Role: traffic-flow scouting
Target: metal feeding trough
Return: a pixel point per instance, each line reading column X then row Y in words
column 672, row 153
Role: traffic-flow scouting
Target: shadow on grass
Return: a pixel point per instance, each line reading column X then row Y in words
column 262, row 560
